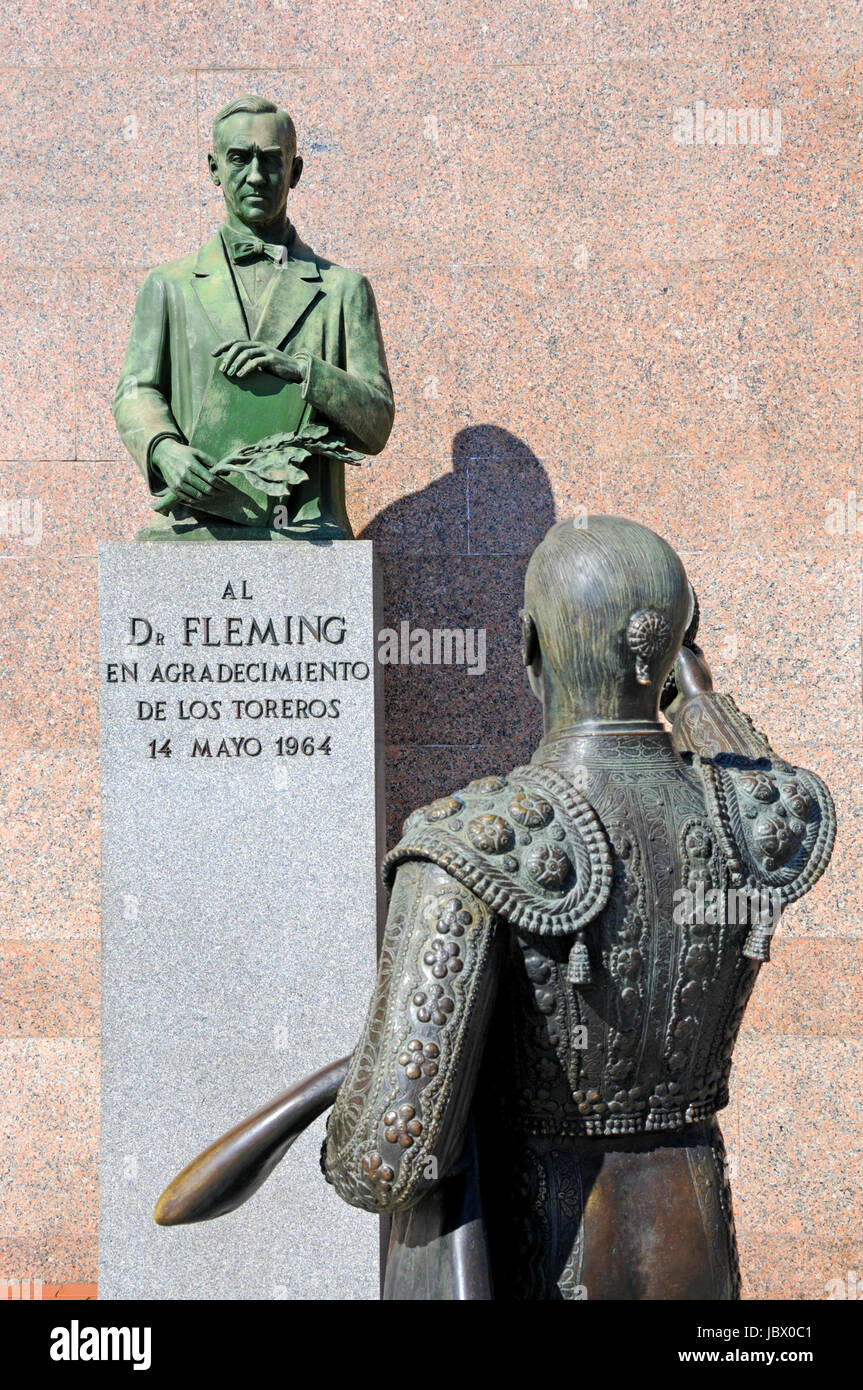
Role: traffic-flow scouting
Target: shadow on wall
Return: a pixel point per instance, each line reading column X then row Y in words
column 453, row 556
column 496, row 501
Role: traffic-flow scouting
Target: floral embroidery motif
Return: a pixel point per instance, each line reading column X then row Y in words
column 797, row 799
column 442, row 809
column 698, row 843
column 377, row 1173
column 433, row 1005
column 774, row 839
column 549, row 866
column 759, row 785
column 453, row 917
column 530, row 810
column 419, row 1059
column 402, row 1126
column 491, row 833
column 444, row 958
column 666, row 1095
column 486, row 784
column 541, row 976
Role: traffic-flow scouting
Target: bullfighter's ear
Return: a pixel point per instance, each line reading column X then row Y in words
column 529, row 638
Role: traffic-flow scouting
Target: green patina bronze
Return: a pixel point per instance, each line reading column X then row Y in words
column 255, row 369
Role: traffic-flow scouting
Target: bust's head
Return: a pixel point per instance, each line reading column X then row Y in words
column 254, row 161
column 607, row 604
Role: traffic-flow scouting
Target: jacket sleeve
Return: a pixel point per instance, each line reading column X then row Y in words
column 709, row 724
column 775, row 823
column 399, row 1123
column 358, row 397
column 141, row 406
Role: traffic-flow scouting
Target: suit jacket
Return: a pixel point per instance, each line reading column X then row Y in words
column 317, row 310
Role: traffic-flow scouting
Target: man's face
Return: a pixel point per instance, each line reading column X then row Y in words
column 255, row 167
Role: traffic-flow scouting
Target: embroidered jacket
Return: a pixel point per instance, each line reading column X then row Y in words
column 581, row 939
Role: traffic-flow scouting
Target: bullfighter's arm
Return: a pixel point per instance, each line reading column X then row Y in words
column 399, row 1123
column 774, row 822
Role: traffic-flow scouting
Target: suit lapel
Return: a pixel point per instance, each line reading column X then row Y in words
column 295, row 288
column 214, row 287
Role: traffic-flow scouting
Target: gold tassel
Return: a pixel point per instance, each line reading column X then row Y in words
column 757, row 945
column 578, row 969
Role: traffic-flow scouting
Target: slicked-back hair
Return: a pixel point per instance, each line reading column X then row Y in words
column 584, row 582
column 257, row 106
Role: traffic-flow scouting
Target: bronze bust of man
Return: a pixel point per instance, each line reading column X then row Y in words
column 568, row 955
column 255, row 369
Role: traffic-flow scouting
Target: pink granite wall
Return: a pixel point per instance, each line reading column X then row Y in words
column 579, row 312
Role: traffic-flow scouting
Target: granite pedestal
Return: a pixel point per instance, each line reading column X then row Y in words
column 240, row 843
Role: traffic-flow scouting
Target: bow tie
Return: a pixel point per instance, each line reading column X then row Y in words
column 247, row 249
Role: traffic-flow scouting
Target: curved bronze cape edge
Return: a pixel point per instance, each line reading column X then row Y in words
column 233, row 1168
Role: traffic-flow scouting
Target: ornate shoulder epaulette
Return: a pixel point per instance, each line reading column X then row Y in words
column 529, row 845
column 775, row 825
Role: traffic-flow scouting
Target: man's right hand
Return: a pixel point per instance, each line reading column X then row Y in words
column 184, row 472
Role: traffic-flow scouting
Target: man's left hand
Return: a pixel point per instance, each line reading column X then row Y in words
column 692, row 673
column 242, row 356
